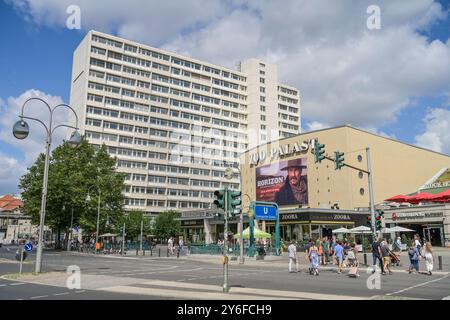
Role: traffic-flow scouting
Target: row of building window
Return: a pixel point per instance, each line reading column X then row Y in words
column 165, row 57
column 287, row 108
column 163, row 204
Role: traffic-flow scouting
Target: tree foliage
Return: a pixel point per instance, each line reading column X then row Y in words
column 166, row 226
column 133, row 220
column 73, row 173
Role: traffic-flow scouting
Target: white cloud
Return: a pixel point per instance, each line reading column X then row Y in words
column 315, row 125
column 436, row 136
column 10, row 172
column 34, row 144
column 345, row 72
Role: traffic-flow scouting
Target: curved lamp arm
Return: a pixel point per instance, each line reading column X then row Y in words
column 31, row 118
column 63, row 125
column 76, row 116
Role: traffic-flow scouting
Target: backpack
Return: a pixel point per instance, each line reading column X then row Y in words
column 412, row 254
column 351, row 255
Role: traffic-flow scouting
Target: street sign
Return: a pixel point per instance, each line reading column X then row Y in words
column 28, row 247
column 265, row 212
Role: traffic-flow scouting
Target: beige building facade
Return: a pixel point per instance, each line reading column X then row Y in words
column 397, row 168
column 175, row 123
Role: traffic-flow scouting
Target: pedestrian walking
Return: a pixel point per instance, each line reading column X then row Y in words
column 313, row 255
column 417, row 243
column 325, row 251
column 386, row 256
column 429, row 257
column 377, row 256
column 292, row 251
column 180, row 245
column 339, row 255
column 413, row 257
column 353, row 262
column 170, row 245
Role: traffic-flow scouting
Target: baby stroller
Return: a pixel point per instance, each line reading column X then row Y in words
column 395, row 260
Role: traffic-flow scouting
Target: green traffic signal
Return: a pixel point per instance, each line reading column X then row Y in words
column 338, row 160
column 318, row 152
column 233, row 202
column 220, row 199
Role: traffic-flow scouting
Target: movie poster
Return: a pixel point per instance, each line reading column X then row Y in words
column 284, row 182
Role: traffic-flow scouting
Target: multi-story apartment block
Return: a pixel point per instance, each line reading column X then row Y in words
column 175, row 123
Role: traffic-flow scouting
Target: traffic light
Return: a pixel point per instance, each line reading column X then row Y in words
column 318, row 152
column 220, row 199
column 379, row 214
column 338, row 160
column 233, row 202
column 369, row 221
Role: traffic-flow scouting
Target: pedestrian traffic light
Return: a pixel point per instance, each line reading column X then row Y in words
column 338, row 160
column 318, row 152
column 234, row 201
column 220, row 199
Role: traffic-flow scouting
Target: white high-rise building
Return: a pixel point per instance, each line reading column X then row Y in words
column 175, row 123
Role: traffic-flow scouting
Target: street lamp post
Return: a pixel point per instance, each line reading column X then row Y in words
column 88, row 198
column 21, row 131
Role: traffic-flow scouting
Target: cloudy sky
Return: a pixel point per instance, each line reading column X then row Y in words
column 394, row 81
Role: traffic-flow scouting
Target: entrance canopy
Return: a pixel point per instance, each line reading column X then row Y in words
column 257, row 233
column 107, row 235
column 420, row 197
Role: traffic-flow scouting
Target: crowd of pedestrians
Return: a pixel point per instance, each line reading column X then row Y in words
column 343, row 254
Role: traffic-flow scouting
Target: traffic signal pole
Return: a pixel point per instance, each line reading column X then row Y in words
column 225, row 244
column 372, row 206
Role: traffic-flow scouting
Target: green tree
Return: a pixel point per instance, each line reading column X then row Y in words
column 72, row 172
column 166, row 226
column 133, row 220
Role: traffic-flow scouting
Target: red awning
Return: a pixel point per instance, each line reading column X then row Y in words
column 420, row 197
column 398, row 198
column 442, row 197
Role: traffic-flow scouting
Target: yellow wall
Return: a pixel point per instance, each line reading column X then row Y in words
column 397, row 168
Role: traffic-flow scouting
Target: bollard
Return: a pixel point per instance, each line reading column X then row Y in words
column 365, row 259
column 178, row 253
column 137, row 252
column 167, row 252
column 159, row 252
column 143, row 252
column 440, row 262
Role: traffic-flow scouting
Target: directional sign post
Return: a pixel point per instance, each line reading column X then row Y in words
column 28, row 247
column 267, row 211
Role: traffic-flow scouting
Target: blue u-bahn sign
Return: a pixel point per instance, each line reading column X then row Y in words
column 265, row 212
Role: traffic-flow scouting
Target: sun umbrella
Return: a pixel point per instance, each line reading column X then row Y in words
column 398, row 198
column 341, row 230
column 442, row 197
column 420, row 197
column 107, row 235
column 257, row 233
column 399, row 229
column 361, row 230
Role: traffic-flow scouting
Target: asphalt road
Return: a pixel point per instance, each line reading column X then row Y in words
column 166, row 278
